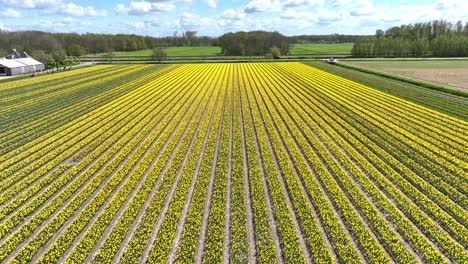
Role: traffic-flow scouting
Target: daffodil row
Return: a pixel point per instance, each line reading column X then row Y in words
column 37, row 176
column 265, row 247
column 51, row 77
column 388, row 237
column 130, row 169
column 240, row 195
column 452, row 163
column 23, row 94
column 118, row 233
column 439, row 215
column 53, row 114
column 83, row 193
column 274, row 124
column 140, row 242
column 19, row 133
column 214, row 238
column 29, row 105
column 192, row 220
column 284, row 212
column 87, row 146
column 189, row 193
column 376, row 159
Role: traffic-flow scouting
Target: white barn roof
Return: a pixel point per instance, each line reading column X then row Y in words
column 11, row 63
column 29, row 61
column 16, row 63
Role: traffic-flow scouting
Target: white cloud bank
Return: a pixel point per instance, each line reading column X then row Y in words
column 56, row 7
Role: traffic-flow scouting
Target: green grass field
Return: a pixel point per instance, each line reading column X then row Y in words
column 335, row 48
column 296, row 49
column 176, row 51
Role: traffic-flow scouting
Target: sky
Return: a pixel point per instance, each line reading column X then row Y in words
column 160, row 18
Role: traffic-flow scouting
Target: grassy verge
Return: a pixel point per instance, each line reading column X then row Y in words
column 321, row 49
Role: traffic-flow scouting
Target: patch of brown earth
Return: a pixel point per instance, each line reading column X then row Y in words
column 457, row 78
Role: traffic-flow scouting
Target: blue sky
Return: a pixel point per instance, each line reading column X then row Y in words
column 215, row 17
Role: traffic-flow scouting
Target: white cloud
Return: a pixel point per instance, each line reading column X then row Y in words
column 339, row 3
column 10, row 13
column 294, row 15
column 194, row 22
column 290, row 17
column 301, row 3
column 3, row 27
column 36, row 4
column 144, row 7
column 58, row 25
column 362, row 8
column 232, row 14
column 211, row 3
column 326, row 17
column 256, row 6
column 451, row 4
column 56, row 7
column 68, row 20
column 71, row 9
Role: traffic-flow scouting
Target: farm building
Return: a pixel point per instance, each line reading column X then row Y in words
column 19, row 63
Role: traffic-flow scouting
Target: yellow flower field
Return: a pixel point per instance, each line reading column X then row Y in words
column 220, row 163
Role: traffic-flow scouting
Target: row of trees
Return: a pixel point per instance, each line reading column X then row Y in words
column 72, row 44
column 436, row 38
column 253, row 43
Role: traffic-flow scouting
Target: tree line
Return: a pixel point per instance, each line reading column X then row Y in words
column 253, row 43
column 57, row 46
column 434, row 38
column 53, row 48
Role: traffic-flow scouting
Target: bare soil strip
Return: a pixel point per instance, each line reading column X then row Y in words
column 155, row 188
column 163, row 211
column 111, row 225
column 227, row 211
column 271, row 217
column 183, row 216
column 86, row 168
column 209, row 195
column 76, row 193
column 248, row 205
column 389, row 198
column 292, row 213
column 102, row 136
column 301, row 185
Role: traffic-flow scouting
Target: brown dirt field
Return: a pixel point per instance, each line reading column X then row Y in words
column 451, row 73
column 457, row 78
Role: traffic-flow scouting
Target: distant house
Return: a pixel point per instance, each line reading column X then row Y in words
column 19, row 63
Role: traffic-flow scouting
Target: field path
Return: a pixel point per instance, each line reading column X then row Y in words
column 168, row 199
column 248, row 206
column 209, row 195
column 228, row 210
column 271, row 217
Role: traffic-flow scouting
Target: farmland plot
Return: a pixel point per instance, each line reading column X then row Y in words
column 262, row 162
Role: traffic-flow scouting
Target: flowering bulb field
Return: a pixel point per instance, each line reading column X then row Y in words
column 219, row 163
